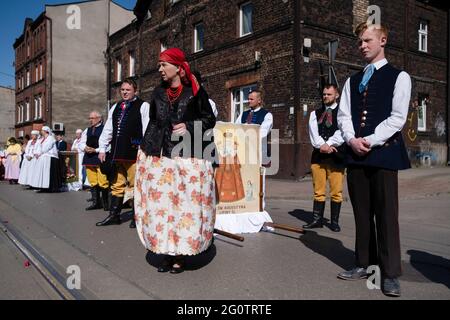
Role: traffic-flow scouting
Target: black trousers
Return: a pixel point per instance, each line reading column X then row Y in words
column 374, row 197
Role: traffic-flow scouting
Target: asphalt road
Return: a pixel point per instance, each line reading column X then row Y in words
column 278, row 265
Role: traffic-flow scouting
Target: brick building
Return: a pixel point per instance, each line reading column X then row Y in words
column 7, row 96
column 61, row 67
column 278, row 46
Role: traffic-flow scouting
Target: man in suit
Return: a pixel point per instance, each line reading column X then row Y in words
column 372, row 112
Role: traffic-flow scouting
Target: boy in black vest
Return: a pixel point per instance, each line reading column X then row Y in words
column 372, row 112
column 124, row 129
column 89, row 144
column 327, row 160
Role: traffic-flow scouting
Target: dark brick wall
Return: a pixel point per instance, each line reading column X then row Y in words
column 227, row 61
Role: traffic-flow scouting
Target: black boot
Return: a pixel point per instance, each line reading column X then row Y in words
column 96, row 204
column 106, row 199
column 114, row 212
column 335, row 210
column 318, row 209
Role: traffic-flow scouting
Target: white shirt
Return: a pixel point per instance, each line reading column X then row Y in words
column 48, row 147
column 213, row 107
column 388, row 127
column 76, row 145
column 106, row 136
column 316, row 140
column 82, row 144
column 266, row 126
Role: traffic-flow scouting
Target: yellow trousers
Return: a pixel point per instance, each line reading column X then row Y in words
column 323, row 172
column 96, row 177
column 125, row 174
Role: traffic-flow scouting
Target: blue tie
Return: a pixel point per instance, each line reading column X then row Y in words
column 366, row 77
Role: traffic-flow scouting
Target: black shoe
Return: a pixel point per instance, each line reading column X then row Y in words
column 114, row 213
column 318, row 209
column 315, row 224
column 109, row 220
column 132, row 224
column 165, row 265
column 391, row 287
column 178, row 266
column 354, row 274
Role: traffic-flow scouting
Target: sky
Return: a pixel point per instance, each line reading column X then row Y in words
column 13, row 18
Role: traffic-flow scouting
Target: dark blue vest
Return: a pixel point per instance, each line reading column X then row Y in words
column 127, row 131
column 93, row 134
column 369, row 109
column 258, row 117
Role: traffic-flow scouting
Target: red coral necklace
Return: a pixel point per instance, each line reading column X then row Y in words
column 174, row 93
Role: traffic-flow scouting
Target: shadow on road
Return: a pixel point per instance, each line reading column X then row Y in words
column 434, row 268
column 192, row 262
column 330, row 248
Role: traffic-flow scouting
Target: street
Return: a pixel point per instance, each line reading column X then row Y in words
column 267, row 265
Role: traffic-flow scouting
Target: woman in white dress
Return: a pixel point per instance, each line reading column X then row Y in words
column 29, row 161
column 48, row 171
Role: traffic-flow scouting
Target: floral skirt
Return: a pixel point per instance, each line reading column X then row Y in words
column 174, row 202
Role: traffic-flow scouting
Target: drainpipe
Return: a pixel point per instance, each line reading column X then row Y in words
column 448, row 87
column 297, row 41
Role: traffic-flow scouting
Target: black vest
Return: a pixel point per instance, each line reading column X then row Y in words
column 258, row 117
column 369, row 109
column 93, row 134
column 127, row 131
column 335, row 159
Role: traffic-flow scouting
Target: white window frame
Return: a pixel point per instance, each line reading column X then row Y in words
column 423, row 35
column 27, row 110
column 132, row 70
column 237, row 107
column 20, row 114
column 196, row 47
column 28, row 77
column 241, row 19
column 41, row 76
column 118, row 70
column 422, row 116
column 36, row 73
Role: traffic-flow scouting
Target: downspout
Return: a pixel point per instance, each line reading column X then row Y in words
column 49, row 121
column 297, row 48
column 108, row 58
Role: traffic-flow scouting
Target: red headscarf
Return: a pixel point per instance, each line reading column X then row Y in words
column 176, row 57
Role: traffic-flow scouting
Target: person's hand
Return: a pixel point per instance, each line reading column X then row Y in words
column 360, row 146
column 102, row 156
column 325, row 148
column 179, row 129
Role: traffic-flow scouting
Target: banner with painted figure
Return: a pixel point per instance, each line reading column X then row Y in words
column 237, row 178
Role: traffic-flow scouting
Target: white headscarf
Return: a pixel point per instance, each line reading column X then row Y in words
column 47, row 129
column 35, row 132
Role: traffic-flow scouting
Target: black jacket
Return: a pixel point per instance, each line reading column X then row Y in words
column 187, row 109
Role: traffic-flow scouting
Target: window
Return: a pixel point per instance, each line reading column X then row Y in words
column 132, row 64
column 37, row 107
column 198, row 37
column 27, row 111
column 422, row 115
column 118, row 70
column 20, row 114
column 28, row 77
column 41, row 76
column 240, row 100
column 245, row 19
column 36, row 74
column 423, row 36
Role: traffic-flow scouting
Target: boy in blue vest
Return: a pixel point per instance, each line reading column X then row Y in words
column 372, row 112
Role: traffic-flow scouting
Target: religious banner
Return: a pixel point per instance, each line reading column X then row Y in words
column 237, row 178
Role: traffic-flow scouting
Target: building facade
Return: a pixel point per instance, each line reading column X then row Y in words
column 61, row 69
column 7, row 98
column 279, row 47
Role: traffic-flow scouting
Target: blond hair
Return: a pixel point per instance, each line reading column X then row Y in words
column 363, row 26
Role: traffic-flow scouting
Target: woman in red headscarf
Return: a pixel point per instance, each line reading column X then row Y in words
column 174, row 189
